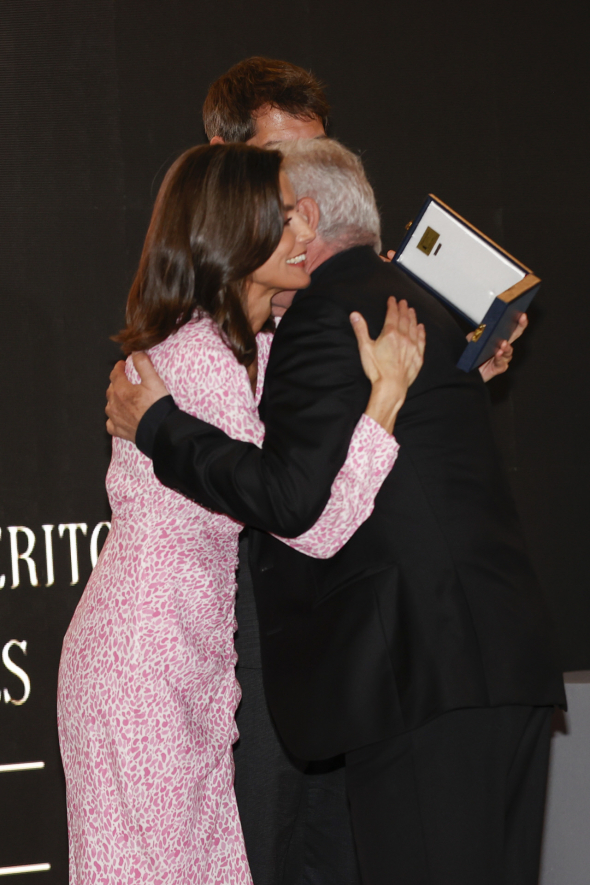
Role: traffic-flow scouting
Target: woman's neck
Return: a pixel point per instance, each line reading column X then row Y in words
column 258, row 300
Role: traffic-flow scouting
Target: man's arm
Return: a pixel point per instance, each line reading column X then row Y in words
column 315, row 393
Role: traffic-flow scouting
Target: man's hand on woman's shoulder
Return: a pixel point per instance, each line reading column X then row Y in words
column 126, row 402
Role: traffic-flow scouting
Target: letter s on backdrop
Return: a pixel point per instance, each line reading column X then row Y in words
column 18, row 671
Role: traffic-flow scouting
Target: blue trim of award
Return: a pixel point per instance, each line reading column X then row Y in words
column 500, row 321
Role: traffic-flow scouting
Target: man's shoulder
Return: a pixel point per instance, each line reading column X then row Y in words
column 313, row 313
column 361, row 280
column 371, row 286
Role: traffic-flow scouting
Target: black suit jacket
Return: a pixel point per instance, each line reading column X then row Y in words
column 433, row 604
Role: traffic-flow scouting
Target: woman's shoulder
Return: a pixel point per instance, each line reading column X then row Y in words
column 199, row 330
column 196, row 346
column 195, row 363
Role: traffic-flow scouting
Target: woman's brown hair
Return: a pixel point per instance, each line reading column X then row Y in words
column 218, row 217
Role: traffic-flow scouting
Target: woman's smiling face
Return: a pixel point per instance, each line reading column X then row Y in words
column 285, row 269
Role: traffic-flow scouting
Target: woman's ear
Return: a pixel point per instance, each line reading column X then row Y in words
column 217, row 139
column 310, row 210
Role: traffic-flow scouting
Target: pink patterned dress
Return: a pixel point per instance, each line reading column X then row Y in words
column 147, row 689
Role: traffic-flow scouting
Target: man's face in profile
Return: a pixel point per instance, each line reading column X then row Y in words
column 274, row 125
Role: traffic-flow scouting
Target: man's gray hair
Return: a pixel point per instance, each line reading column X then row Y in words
column 327, row 171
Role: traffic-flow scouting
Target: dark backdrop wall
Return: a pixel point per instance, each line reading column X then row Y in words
column 483, row 104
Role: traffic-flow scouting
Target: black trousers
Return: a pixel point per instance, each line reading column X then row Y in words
column 458, row 801
column 294, row 815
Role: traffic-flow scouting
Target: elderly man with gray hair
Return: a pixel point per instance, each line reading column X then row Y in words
column 331, row 175
column 421, row 651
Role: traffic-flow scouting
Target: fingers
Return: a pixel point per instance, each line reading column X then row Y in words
column 523, row 322
column 144, row 367
column 406, row 335
column 419, row 347
column 421, row 339
column 403, row 317
column 118, row 371
column 398, row 352
column 366, row 346
column 401, row 322
column 498, row 363
column 391, row 315
column 110, row 394
column 150, row 380
column 398, row 317
column 502, row 356
column 414, row 324
column 496, row 366
column 359, row 325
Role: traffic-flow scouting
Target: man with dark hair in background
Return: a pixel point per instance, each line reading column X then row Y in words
column 261, row 101
column 295, row 817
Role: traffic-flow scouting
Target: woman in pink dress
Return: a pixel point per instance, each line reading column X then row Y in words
column 147, row 689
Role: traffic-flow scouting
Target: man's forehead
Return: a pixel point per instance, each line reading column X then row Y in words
column 274, row 125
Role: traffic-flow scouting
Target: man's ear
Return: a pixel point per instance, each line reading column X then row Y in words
column 310, row 210
column 217, row 139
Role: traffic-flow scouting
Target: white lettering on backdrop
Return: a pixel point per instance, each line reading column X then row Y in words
column 22, row 547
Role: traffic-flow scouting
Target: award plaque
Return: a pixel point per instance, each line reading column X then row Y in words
column 469, row 272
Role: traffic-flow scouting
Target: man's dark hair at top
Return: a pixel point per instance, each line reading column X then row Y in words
column 235, row 97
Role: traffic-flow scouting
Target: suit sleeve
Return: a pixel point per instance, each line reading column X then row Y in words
column 315, row 393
